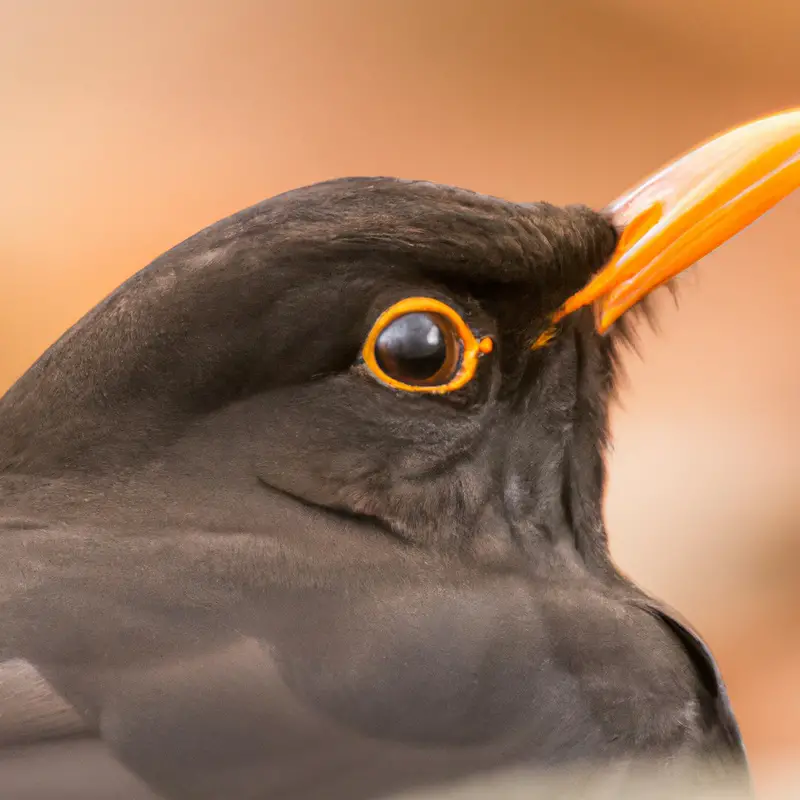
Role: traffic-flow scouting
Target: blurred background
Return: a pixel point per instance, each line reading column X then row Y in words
column 127, row 126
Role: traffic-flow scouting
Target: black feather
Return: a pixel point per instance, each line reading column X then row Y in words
column 254, row 571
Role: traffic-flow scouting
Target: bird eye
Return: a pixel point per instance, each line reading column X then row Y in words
column 423, row 345
column 419, row 348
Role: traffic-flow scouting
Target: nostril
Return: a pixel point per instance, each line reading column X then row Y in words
column 639, row 226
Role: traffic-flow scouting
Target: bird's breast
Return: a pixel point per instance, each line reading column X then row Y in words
column 566, row 668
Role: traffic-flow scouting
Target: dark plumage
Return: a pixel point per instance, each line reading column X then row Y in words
column 254, row 571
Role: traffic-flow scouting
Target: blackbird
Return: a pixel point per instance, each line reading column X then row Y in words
column 311, row 506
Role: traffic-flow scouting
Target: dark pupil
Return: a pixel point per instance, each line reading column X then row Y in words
column 414, row 348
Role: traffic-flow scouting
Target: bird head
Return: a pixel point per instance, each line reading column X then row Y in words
column 423, row 357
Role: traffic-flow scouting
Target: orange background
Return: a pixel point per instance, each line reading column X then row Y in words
column 125, row 127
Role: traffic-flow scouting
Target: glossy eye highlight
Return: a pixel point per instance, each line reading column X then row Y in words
column 422, row 345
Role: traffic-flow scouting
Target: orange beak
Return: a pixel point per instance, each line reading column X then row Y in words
column 690, row 207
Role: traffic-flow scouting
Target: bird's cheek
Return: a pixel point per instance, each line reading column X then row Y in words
column 348, row 444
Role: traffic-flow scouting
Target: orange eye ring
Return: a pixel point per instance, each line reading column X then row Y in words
column 465, row 363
